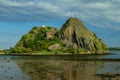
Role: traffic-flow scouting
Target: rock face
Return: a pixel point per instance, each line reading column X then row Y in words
column 76, row 36
column 50, row 34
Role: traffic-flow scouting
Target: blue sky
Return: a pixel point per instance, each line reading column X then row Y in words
column 17, row 17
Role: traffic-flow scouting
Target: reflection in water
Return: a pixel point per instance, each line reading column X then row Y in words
column 60, row 69
column 9, row 70
column 41, row 70
column 84, row 70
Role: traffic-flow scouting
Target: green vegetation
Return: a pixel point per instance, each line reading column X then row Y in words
column 37, row 40
column 2, row 51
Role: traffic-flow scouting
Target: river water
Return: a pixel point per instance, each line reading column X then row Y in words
column 59, row 67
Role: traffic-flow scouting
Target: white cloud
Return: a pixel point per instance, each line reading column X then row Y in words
column 96, row 12
column 99, row 5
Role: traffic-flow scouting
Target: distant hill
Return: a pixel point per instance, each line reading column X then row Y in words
column 73, row 37
column 114, row 48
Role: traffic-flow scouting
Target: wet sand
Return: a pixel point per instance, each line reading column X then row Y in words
column 9, row 70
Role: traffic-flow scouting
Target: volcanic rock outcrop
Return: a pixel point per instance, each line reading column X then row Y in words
column 76, row 36
column 73, row 37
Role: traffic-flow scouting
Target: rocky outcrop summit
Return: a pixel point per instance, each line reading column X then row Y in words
column 76, row 36
column 73, row 37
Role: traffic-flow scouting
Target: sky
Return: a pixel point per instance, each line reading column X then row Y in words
column 17, row 17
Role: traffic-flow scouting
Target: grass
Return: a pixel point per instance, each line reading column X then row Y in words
column 45, row 52
column 2, row 52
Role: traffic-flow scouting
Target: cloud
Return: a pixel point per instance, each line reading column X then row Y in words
column 98, row 13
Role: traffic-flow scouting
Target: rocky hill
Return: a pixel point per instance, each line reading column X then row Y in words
column 73, row 37
column 76, row 36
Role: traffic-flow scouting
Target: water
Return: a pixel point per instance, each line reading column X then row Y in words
column 11, row 71
column 59, row 67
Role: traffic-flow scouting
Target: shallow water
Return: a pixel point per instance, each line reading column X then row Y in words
column 9, row 70
column 90, row 67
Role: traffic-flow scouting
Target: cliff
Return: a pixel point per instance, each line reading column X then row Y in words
column 76, row 36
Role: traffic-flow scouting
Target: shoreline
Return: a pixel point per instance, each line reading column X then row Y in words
column 82, row 57
column 43, row 54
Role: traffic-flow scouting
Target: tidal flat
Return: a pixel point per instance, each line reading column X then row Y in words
column 51, row 68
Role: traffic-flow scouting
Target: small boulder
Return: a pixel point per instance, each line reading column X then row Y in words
column 54, row 47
